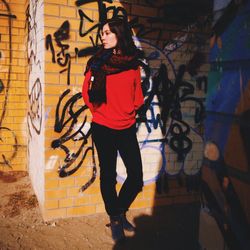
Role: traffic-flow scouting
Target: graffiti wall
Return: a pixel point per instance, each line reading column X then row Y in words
column 44, row 48
column 169, row 128
column 13, row 86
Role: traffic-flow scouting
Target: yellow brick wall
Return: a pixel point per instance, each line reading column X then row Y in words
column 62, row 194
column 13, row 86
column 46, row 114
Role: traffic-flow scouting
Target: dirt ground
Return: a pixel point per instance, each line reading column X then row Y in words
column 22, row 227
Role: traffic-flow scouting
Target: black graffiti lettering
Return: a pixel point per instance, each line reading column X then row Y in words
column 171, row 96
column 186, row 89
column 201, row 83
column 62, row 34
column 165, row 95
column 103, row 11
column 61, row 58
column 83, row 34
column 68, row 71
column 162, row 184
column 82, row 16
column 49, row 45
column 179, row 142
column 64, row 60
column 68, row 117
column 87, row 51
column 116, row 11
column 59, row 122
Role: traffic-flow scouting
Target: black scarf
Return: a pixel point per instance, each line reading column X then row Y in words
column 106, row 63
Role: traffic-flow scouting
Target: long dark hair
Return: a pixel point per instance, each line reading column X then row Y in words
column 123, row 32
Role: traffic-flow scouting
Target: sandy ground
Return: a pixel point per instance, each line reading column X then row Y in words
column 22, row 227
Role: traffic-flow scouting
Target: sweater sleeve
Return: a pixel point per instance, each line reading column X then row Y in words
column 139, row 98
column 85, row 88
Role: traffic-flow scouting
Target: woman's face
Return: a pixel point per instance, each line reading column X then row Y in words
column 109, row 39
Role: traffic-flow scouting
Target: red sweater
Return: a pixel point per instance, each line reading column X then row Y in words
column 124, row 97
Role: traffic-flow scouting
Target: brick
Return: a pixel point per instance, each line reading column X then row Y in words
column 63, row 79
column 50, row 204
column 151, row 186
column 50, row 21
column 77, row 211
column 149, row 194
column 53, row 89
column 4, row 22
column 82, row 200
column 73, row 192
column 92, row 5
column 18, row 24
column 52, row 67
column 54, row 213
column 92, row 190
column 100, row 208
column 18, row 9
column 140, row 204
column 69, row 12
column 72, row 3
column 55, row 194
column 49, row 100
column 67, row 182
column 3, row 46
column 51, row 9
column 18, row 167
column 66, row 202
column 51, row 184
column 52, row 78
column 95, row 199
column 143, row 11
column 56, row 2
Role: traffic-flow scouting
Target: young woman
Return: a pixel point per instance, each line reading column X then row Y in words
column 112, row 91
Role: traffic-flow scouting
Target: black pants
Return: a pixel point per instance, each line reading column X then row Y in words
column 108, row 142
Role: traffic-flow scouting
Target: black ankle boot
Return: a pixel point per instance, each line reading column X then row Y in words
column 126, row 224
column 116, row 228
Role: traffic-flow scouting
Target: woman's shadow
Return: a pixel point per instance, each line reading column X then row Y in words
column 174, row 227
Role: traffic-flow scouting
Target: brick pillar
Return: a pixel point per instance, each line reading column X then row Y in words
column 36, row 113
